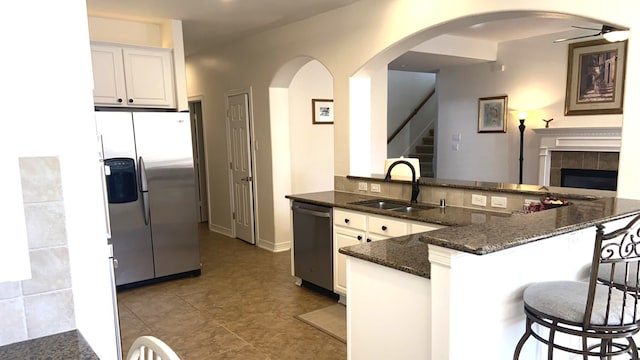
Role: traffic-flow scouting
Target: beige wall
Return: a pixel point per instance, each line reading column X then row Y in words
column 363, row 36
column 311, row 145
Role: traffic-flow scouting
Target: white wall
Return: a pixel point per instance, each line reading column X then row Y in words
column 311, row 145
column 458, row 93
column 534, row 80
column 51, row 114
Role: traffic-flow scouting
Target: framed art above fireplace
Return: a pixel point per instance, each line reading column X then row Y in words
column 595, row 78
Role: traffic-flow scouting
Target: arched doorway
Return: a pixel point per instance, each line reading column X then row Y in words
column 302, row 152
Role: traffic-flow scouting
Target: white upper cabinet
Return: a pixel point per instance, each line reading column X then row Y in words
column 132, row 76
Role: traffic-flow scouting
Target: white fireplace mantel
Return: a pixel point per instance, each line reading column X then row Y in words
column 600, row 139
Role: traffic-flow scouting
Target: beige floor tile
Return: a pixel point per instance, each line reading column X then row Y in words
column 241, row 307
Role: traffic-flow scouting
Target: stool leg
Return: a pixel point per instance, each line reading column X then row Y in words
column 552, row 336
column 523, row 339
column 634, row 348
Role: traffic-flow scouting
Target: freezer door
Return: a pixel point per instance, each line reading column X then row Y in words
column 130, row 236
column 163, row 142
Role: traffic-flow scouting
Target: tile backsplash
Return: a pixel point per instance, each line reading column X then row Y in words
column 42, row 305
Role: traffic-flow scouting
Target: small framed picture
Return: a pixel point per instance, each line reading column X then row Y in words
column 595, row 78
column 492, row 114
column 322, row 111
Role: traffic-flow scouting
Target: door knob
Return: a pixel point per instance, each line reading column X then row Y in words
column 248, row 178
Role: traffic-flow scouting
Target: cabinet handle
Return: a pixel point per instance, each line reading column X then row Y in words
column 120, row 100
column 368, row 240
column 359, row 237
column 130, row 101
column 384, row 228
column 346, row 221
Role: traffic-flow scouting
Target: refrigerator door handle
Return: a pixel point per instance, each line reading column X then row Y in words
column 105, row 171
column 144, row 191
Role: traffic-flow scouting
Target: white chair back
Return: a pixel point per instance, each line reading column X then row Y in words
column 151, row 348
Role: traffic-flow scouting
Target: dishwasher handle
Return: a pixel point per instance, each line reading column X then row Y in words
column 311, row 212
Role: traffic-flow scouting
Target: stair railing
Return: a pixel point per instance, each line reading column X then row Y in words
column 411, row 116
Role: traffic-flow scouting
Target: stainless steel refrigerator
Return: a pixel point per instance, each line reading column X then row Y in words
column 151, row 193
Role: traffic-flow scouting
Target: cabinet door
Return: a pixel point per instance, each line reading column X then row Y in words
column 415, row 228
column 376, row 237
column 343, row 237
column 108, row 75
column 149, row 77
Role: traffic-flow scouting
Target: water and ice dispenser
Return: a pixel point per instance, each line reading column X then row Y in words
column 121, row 183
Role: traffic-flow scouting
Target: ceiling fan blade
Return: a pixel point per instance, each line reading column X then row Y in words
column 585, row 28
column 577, row 37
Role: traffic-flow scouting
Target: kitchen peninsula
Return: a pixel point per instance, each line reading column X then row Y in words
column 456, row 292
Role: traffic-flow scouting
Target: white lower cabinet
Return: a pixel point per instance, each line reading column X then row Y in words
column 353, row 227
column 343, row 237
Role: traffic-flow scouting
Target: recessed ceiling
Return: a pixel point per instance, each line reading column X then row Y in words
column 208, row 23
column 497, row 31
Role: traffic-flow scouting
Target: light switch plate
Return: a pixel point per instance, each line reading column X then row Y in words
column 499, row 202
column 375, row 188
column 479, row 200
column 362, row 186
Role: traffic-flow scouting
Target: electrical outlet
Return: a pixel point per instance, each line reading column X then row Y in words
column 499, row 202
column 375, row 188
column 362, row 186
column 479, row 200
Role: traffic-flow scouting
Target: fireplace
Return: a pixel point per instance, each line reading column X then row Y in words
column 589, row 179
column 595, row 148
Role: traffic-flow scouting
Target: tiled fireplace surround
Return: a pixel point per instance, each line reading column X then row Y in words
column 593, row 148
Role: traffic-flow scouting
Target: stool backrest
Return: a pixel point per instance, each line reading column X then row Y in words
column 613, row 299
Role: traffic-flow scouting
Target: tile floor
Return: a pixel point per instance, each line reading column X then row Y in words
column 242, row 307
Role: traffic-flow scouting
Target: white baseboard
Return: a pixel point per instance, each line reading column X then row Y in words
column 273, row 247
column 221, row 230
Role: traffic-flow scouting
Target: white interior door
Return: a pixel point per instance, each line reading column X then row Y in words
column 241, row 171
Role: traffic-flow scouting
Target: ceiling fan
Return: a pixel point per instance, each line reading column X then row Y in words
column 610, row 33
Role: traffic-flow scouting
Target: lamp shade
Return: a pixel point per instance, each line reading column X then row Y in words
column 523, row 115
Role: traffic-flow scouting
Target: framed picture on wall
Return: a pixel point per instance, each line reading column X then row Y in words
column 322, row 111
column 492, row 114
column 595, row 78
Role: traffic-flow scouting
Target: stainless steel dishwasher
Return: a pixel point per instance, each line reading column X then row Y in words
column 313, row 243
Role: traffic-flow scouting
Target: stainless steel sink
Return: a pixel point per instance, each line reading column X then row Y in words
column 391, row 205
column 410, row 209
column 381, row 204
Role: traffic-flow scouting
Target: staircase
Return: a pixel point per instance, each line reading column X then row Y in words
column 424, row 153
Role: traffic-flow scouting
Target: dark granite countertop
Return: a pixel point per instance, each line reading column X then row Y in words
column 449, row 216
column 69, row 345
column 472, row 231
